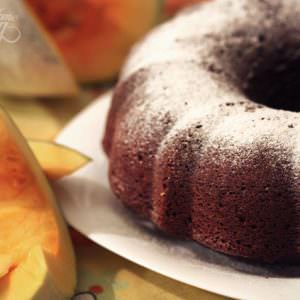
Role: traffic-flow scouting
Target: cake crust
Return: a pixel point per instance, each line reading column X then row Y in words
column 203, row 132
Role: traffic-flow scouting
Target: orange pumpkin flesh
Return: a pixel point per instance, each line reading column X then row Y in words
column 34, row 239
column 95, row 36
column 57, row 160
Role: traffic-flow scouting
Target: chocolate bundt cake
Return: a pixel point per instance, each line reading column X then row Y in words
column 203, row 131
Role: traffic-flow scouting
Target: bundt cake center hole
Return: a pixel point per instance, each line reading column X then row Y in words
column 263, row 62
column 275, row 84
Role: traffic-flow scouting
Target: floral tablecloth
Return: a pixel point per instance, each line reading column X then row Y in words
column 102, row 275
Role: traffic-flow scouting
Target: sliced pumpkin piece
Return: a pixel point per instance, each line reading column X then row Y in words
column 30, row 63
column 34, row 242
column 57, row 160
column 95, row 36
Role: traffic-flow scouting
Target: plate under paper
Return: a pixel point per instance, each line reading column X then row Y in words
column 90, row 207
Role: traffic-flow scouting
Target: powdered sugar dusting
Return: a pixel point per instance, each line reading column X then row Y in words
column 189, row 131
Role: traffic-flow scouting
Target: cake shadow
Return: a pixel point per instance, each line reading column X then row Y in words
column 96, row 212
column 220, row 260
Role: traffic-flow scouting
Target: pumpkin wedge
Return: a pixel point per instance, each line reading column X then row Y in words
column 35, row 245
column 57, row 160
column 94, row 36
column 30, row 63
